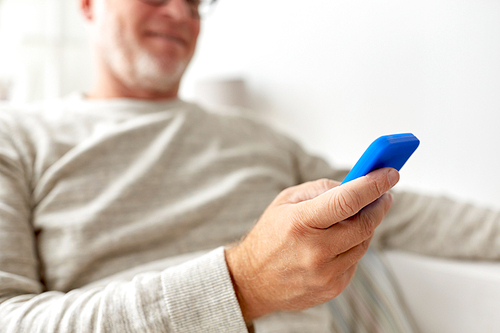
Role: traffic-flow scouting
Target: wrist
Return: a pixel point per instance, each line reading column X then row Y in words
column 244, row 280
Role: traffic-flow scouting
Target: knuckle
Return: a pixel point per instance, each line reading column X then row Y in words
column 367, row 224
column 354, row 257
column 306, row 218
column 314, row 259
column 320, row 282
column 324, row 182
column 298, row 228
column 377, row 186
column 345, row 204
column 287, row 192
column 365, row 245
column 327, row 183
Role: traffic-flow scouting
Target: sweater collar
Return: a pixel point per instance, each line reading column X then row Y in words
column 123, row 106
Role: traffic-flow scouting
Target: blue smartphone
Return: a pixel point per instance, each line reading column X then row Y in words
column 387, row 151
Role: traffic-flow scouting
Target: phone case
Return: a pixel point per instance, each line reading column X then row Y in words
column 387, row 151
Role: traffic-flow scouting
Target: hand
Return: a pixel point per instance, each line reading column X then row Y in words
column 305, row 247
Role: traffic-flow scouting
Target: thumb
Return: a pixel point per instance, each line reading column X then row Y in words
column 306, row 191
column 347, row 200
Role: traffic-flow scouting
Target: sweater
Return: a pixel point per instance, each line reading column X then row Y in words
column 114, row 215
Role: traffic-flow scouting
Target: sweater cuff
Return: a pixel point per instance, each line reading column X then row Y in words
column 199, row 296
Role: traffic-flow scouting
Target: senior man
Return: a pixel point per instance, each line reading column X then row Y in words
column 121, row 209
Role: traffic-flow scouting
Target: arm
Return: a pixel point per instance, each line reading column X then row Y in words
column 193, row 297
column 429, row 225
column 305, row 247
column 441, row 227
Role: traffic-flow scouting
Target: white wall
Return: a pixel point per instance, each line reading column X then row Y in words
column 44, row 48
column 337, row 74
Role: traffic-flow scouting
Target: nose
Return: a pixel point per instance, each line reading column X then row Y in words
column 178, row 9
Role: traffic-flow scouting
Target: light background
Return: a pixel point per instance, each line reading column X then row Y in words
column 337, row 74
column 333, row 74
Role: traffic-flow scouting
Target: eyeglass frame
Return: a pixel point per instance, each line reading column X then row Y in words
column 195, row 13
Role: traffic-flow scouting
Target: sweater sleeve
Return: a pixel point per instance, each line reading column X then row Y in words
column 428, row 225
column 196, row 296
column 439, row 226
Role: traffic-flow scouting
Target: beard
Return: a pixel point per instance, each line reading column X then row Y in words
column 131, row 63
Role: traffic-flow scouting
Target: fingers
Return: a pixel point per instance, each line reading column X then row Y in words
column 306, row 191
column 349, row 234
column 347, row 261
column 306, row 244
column 344, row 236
column 345, row 201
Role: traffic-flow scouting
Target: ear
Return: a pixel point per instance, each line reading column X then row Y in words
column 86, row 6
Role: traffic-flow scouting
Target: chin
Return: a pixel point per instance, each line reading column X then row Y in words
column 160, row 75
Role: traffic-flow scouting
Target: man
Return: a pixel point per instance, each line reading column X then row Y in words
column 119, row 210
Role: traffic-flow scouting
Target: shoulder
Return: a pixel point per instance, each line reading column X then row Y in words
column 13, row 117
column 25, row 126
column 243, row 123
column 29, row 113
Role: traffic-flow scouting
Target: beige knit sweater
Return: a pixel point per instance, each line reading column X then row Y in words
column 113, row 214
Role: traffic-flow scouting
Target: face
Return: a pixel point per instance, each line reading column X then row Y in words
column 143, row 46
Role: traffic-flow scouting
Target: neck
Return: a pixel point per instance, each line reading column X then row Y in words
column 107, row 86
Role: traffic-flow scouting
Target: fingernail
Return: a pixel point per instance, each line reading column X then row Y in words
column 393, row 177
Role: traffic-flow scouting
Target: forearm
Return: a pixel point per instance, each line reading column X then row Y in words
column 119, row 307
column 441, row 227
column 196, row 296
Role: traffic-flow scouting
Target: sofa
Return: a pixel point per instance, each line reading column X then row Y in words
column 448, row 296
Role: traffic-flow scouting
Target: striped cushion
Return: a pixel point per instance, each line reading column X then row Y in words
column 372, row 302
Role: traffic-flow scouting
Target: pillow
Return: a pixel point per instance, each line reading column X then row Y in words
column 372, row 302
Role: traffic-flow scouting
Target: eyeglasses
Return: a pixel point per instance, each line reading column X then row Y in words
column 197, row 8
